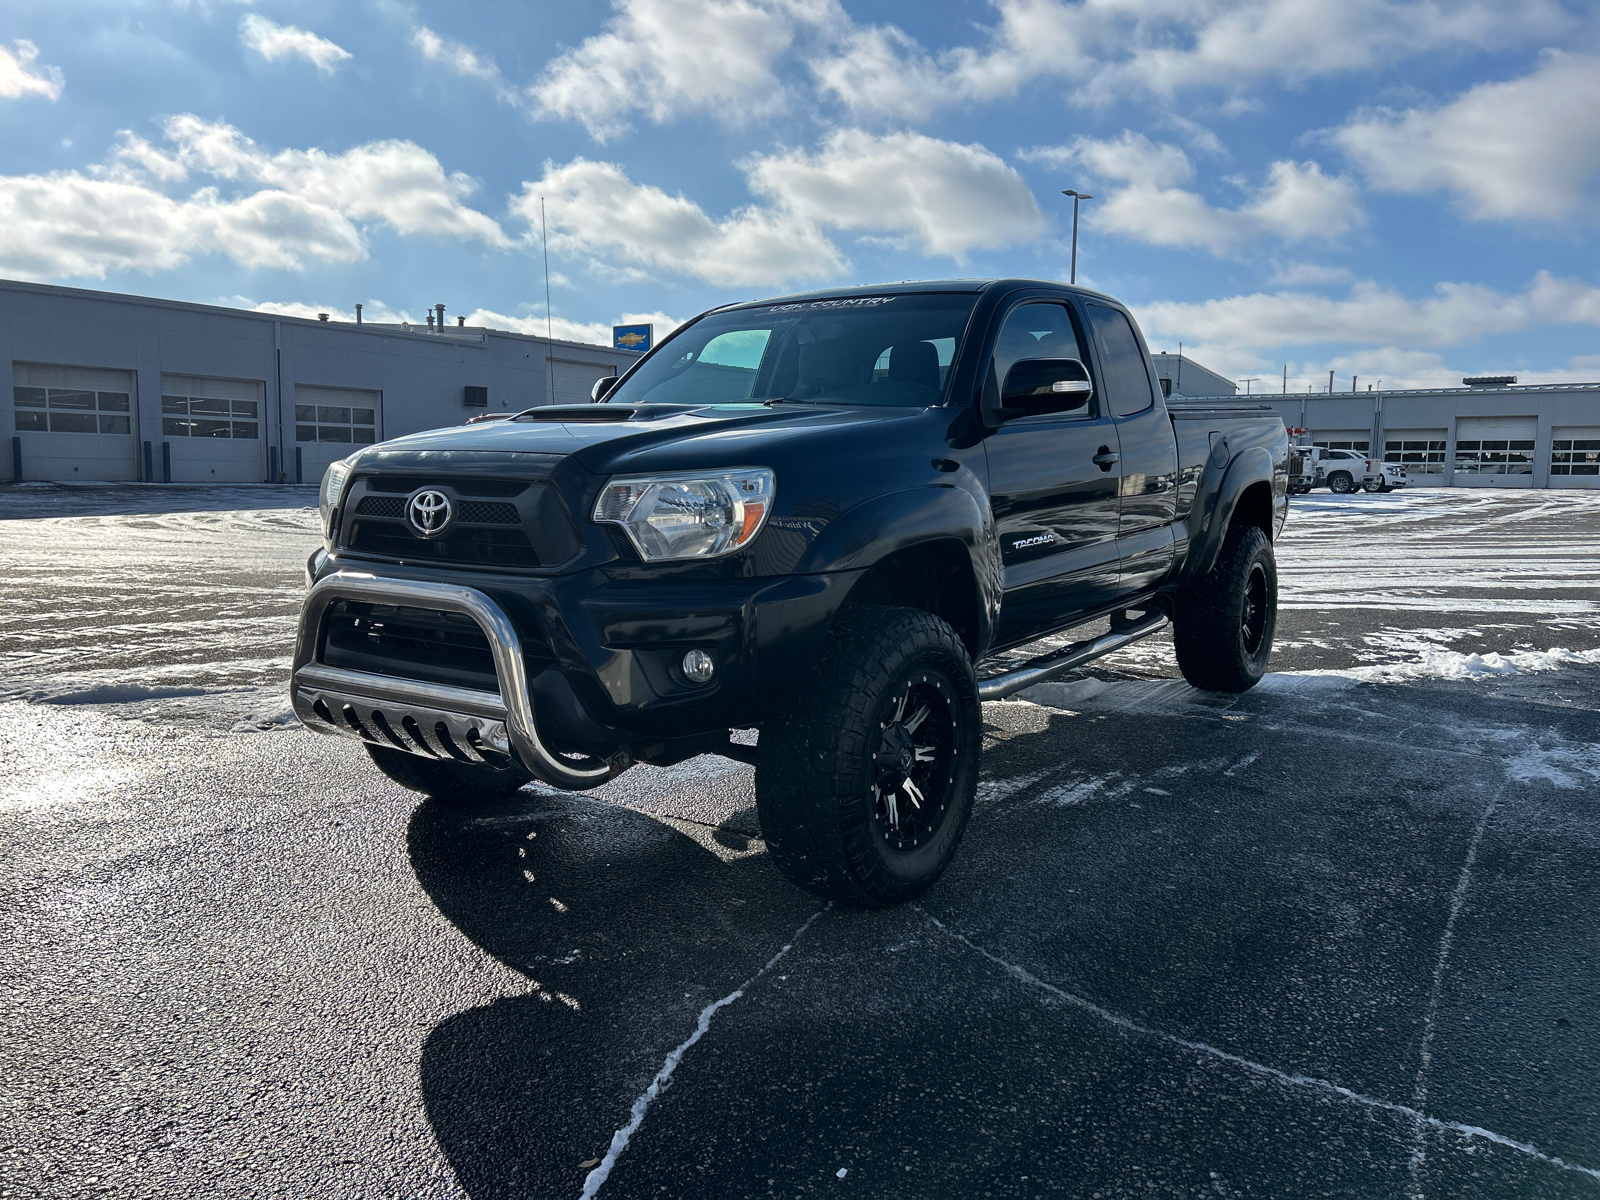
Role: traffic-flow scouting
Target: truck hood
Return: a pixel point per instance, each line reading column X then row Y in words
column 609, row 440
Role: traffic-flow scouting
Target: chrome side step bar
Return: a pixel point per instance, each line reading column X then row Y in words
column 428, row 719
column 1049, row 666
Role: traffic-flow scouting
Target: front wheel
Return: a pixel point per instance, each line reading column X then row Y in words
column 864, row 787
column 1373, row 487
column 1222, row 625
column 457, row 783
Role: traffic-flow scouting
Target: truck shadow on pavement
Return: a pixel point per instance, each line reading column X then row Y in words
column 621, row 928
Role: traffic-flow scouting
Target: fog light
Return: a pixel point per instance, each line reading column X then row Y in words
column 698, row 666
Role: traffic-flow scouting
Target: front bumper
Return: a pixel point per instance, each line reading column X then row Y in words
column 600, row 692
column 429, row 719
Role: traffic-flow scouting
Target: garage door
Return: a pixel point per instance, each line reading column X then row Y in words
column 1342, row 439
column 213, row 429
column 1495, row 451
column 330, row 424
column 1421, row 451
column 75, row 422
column 574, row 381
column 1575, row 456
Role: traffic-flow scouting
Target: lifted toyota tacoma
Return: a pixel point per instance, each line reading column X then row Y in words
column 819, row 517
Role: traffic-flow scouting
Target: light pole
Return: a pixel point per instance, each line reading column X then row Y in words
column 1247, row 383
column 1076, row 196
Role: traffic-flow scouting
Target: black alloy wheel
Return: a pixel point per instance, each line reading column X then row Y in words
column 1223, row 624
column 1253, row 611
column 865, row 784
column 915, row 762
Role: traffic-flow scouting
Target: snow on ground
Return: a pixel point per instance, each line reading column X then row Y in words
column 171, row 603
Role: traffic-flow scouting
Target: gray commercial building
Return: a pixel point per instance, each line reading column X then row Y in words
column 1490, row 432
column 1499, row 435
column 112, row 387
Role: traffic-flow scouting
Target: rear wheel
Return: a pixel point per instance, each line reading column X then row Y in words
column 1342, row 482
column 453, row 782
column 865, row 786
column 1223, row 625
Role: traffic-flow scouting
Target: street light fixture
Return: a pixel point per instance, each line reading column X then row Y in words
column 1076, row 196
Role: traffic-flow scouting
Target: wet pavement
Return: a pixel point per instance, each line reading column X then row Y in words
column 1335, row 937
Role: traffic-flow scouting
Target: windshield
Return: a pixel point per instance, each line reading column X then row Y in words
column 881, row 350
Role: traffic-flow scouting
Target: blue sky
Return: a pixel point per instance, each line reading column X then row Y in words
column 1396, row 190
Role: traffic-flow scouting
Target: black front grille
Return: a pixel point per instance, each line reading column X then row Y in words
column 406, row 484
column 381, row 506
column 459, row 544
column 476, row 512
column 417, row 643
column 499, row 523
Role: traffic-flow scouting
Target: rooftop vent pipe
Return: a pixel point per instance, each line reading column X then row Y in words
column 322, row 316
column 439, row 308
column 358, row 314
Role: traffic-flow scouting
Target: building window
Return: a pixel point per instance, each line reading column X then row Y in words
column 205, row 416
column 327, row 423
column 1363, row 447
column 1575, row 456
column 1494, row 457
column 1419, row 457
column 71, row 410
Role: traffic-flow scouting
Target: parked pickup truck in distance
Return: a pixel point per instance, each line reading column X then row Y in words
column 815, row 517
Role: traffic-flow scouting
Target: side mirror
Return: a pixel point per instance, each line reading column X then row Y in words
column 601, row 386
column 1046, row 385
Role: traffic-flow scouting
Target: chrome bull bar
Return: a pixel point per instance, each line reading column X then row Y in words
column 428, row 719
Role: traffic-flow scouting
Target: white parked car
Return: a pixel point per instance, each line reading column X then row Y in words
column 1342, row 471
column 1390, row 476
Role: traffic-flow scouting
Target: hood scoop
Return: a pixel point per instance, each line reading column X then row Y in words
column 594, row 413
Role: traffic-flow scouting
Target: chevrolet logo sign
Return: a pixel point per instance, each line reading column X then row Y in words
column 630, row 340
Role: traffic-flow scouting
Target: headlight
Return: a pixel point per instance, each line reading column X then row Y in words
column 332, row 488
column 689, row 515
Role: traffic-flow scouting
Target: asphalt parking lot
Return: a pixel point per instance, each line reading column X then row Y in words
column 1339, row 936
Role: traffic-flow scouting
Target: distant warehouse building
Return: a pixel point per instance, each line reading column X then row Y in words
column 1489, row 432
column 111, row 387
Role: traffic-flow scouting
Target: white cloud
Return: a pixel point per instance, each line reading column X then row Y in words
column 666, row 57
column 1296, row 203
column 18, row 77
column 941, row 197
column 273, row 41
column 595, row 333
column 1526, row 148
column 1110, row 49
column 595, row 209
column 1240, row 327
column 395, row 183
column 945, row 197
column 461, row 59
column 1304, row 274
column 280, row 210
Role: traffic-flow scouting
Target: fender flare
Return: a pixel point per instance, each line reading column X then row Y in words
column 1215, row 512
column 884, row 525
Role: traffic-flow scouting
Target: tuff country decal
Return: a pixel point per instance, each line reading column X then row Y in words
column 814, row 305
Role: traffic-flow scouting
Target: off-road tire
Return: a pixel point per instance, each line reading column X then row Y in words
column 819, row 771
column 1342, row 482
column 1223, row 624
column 462, row 784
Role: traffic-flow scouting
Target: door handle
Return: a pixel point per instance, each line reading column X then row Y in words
column 1105, row 460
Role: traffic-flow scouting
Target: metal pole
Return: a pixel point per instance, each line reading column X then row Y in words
column 166, row 462
column 1074, row 278
column 299, row 466
column 149, row 465
column 16, row 460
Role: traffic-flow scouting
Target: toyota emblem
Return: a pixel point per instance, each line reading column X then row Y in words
column 429, row 512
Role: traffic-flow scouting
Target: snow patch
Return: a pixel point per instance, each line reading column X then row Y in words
column 1563, row 766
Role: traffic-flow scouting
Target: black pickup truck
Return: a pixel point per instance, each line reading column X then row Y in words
column 815, row 517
